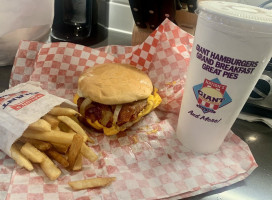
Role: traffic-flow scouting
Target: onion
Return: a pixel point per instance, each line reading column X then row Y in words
column 106, row 116
column 127, row 125
column 116, row 113
column 83, row 106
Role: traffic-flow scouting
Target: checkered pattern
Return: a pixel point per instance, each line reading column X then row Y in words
column 207, row 105
column 24, row 62
column 149, row 163
column 147, row 160
column 7, row 166
column 164, row 56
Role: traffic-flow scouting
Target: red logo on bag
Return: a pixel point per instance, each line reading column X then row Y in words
column 24, row 97
column 10, row 96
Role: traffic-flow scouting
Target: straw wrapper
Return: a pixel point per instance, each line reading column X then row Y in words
column 147, row 160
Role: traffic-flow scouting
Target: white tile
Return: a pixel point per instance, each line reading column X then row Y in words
column 170, row 188
column 154, row 182
column 132, row 184
column 121, row 1
column 148, row 192
column 3, row 195
column 122, row 194
column 5, row 178
column 35, row 188
column 50, row 196
column 18, row 196
column 120, row 17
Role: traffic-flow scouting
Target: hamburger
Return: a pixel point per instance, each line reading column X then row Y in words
column 112, row 97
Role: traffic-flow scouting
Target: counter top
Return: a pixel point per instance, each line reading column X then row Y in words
column 257, row 135
column 258, row 185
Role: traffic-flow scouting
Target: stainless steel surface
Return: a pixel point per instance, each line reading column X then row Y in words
column 258, row 186
column 257, row 135
column 260, row 100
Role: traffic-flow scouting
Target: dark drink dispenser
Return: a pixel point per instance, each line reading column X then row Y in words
column 74, row 20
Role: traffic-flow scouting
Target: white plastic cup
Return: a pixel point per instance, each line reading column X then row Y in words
column 232, row 46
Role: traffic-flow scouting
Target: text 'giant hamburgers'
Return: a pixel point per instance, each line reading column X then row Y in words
column 112, row 97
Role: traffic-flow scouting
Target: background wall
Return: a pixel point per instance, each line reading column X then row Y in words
column 116, row 15
column 119, row 18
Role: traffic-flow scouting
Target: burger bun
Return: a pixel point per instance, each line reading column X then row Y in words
column 114, row 83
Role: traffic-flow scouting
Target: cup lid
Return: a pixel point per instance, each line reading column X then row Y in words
column 237, row 10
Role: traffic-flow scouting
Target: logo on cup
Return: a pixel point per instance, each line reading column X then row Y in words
column 211, row 95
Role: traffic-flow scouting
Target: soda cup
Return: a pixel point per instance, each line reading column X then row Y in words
column 232, row 46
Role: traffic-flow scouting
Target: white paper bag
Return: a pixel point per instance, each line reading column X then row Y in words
column 22, row 105
column 23, row 20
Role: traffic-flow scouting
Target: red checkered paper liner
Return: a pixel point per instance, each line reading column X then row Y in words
column 148, row 161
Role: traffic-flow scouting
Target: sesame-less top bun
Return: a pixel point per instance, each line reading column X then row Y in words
column 114, row 83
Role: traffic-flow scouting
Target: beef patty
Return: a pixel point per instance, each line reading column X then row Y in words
column 104, row 113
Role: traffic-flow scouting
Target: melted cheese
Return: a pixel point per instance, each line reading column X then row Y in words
column 76, row 97
column 153, row 101
column 95, row 124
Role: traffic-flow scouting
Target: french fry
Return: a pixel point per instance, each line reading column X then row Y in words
column 42, row 146
column 19, row 158
column 90, row 139
column 73, row 125
column 56, row 128
column 74, row 150
column 18, row 144
column 61, row 148
column 57, row 157
column 88, row 153
column 78, row 163
column 74, row 117
column 32, row 153
column 51, row 136
column 91, row 183
column 64, row 127
column 51, row 119
column 40, row 125
column 59, row 111
column 60, row 136
column 50, row 169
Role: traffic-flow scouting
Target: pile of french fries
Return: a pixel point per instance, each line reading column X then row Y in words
column 57, row 137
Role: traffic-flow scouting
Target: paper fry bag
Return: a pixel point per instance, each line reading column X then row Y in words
column 20, row 106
